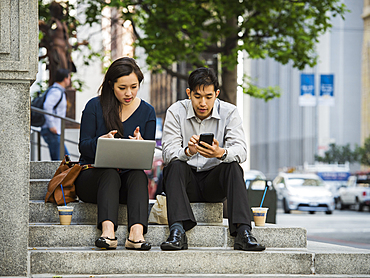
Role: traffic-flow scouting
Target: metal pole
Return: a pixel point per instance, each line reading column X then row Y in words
column 61, row 145
column 38, row 146
column 317, row 131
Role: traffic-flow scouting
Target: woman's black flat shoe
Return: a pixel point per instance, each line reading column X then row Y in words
column 106, row 243
column 137, row 245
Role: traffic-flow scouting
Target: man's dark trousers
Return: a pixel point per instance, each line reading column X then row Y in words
column 184, row 185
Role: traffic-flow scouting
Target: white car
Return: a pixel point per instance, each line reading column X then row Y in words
column 356, row 193
column 251, row 175
column 304, row 192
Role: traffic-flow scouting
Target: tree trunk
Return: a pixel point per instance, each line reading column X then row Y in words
column 229, row 85
column 229, row 76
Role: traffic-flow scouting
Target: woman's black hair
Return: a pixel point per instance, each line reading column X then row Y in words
column 202, row 77
column 110, row 105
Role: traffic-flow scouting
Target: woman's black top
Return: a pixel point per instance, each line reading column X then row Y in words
column 93, row 126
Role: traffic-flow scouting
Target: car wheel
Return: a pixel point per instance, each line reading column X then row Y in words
column 357, row 205
column 329, row 212
column 285, row 206
column 312, row 212
column 342, row 206
column 338, row 204
column 361, row 208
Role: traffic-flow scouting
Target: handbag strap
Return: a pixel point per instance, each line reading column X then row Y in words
column 87, row 166
column 51, row 190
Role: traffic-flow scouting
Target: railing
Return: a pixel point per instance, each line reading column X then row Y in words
column 62, row 133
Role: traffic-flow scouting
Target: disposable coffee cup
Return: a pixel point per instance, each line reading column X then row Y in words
column 259, row 215
column 65, row 214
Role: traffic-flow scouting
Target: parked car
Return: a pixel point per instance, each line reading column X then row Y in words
column 356, row 193
column 304, row 192
column 334, row 175
column 251, row 175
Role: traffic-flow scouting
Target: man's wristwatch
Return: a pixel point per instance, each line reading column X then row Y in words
column 222, row 158
column 187, row 152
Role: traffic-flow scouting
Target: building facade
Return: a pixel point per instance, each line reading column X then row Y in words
column 284, row 134
column 365, row 123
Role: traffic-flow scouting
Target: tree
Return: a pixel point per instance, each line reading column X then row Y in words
column 181, row 30
column 364, row 153
column 338, row 154
column 56, row 24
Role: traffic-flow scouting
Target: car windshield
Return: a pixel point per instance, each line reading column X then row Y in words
column 297, row 182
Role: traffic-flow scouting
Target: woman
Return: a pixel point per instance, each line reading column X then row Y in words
column 119, row 113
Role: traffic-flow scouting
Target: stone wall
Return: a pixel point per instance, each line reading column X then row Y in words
column 18, row 68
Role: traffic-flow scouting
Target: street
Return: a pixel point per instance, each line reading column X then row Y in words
column 343, row 227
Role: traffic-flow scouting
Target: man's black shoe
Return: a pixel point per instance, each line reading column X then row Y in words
column 175, row 241
column 247, row 242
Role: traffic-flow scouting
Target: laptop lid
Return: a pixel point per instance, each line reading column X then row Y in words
column 124, row 153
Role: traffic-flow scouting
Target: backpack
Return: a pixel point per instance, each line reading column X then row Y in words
column 38, row 119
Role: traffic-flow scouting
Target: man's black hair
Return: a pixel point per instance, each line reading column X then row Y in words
column 61, row 74
column 202, row 77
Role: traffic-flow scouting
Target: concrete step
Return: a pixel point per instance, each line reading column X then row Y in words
column 38, row 188
column 207, row 275
column 327, row 260
column 43, row 169
column 194, row 260
column 217, row 236
column 84, row 213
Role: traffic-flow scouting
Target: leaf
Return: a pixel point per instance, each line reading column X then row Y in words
column 173, row 31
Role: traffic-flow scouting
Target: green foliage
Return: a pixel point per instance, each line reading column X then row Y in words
column 70, row 20
column 338, row 154
column 93, row 12
column 181, row 30
column 43, row 85
column 254, row 91
column 341, row 154
column 364, row 153
column 78, row 84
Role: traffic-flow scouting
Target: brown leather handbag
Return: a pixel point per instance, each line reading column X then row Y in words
column 65, row 175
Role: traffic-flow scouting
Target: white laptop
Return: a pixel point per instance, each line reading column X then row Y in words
column 124, row 153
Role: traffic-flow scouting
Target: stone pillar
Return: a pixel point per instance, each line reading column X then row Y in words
column 18, row 68
column 365, row 100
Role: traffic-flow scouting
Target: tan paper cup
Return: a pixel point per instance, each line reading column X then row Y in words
column 65, row 214
column 259, row 215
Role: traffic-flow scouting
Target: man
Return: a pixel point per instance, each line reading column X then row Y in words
column 51, row 130
column 209, row 173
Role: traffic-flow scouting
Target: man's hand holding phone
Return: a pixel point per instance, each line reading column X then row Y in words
column 192, row 145
column 205, row 145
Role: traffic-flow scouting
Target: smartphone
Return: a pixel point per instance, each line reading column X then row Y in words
column 206, row 137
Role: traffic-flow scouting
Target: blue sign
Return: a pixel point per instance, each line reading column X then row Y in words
column 307, row 97
column 334, row 176
column 326, row 89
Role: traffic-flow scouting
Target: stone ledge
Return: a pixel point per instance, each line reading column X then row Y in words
column 43, row 169
column 85, row 235
column 337, row 261
column 192, row 261
column 85, row 213
column 333, row 259
column 272, row 236
column 38, row 188
column 197, row 275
